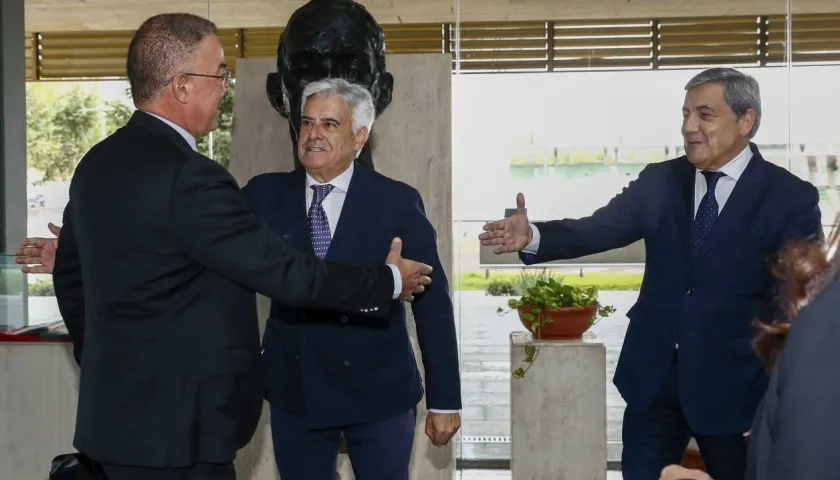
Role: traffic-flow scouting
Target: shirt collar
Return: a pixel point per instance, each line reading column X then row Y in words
column 340, row 183
column 736, row 167
column 189, row 138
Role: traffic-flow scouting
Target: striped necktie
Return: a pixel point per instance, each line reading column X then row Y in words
column 319, row 227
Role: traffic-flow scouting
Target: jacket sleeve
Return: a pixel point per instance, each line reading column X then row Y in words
column 212, row 224
column 67, row 282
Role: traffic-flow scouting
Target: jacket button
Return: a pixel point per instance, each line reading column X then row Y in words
column 347, row 363
column 343, row 319
column 690, row 291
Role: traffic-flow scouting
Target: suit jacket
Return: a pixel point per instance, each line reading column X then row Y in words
column 338, row 369
column 705, row 303
column 797, row 427
column 157, row 264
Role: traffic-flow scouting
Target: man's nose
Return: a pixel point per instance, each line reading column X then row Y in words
column 690, row 124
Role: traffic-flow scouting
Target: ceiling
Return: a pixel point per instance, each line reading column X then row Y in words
column 78, row 15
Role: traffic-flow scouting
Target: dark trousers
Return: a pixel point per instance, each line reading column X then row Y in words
column 659, row 436
column 203, row 471
column 377, row 451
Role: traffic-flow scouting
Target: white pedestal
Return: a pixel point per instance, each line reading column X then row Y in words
column 38, row 393
column 559, row 410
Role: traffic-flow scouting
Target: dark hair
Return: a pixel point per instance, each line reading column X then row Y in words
column 162, row 45
column 804, row 268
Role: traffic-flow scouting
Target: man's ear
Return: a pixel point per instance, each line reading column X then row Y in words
column 181, row 88
column 385, row 85
column 361, row 138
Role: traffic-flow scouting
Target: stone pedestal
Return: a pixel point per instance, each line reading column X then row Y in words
column 559, row 410
column 39, row 388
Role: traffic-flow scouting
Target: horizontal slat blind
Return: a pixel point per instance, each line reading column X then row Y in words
column 261, row 42
column 814, row 38
column 709, row 41
column 502, row 46
column 31, row 56
column 84, row 54
column 603, row 44
column 510, row 46
column 414, row 38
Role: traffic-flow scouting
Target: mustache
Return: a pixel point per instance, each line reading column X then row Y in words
column 316, row 144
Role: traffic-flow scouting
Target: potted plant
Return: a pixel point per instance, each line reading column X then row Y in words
column 551, row 310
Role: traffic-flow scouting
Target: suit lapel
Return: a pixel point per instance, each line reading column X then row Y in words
column 351, row 223
column 685, row 205
column 740, row 206
column 294, row 214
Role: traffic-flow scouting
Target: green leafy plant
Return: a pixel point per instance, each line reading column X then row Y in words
column 499, row 287
column 526, row 279
column 550, row 295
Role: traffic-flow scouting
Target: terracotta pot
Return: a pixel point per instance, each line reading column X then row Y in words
column 566, row 323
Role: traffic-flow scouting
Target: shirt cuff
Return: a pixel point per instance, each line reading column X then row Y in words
column 397, row 281
column 449, row 412
column 534, row 246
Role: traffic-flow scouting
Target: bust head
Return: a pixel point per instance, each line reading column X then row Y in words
column 324, row 39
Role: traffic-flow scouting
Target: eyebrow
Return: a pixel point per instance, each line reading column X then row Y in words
column 325, row 119
column 701, row 108
column 223, row 65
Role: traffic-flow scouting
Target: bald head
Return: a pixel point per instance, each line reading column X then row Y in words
column 161, row 48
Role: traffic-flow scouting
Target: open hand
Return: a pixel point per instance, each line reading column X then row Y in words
column 441, row 427
column 511, row 234
column 415, row 275
column 38, row 254
column 676, row 472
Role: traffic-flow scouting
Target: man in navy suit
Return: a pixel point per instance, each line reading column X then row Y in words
column 332, row 376
column 710, row 221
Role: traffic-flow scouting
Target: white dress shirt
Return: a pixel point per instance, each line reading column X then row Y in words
column 732, row 171
column 189, row 138
column 333, row 203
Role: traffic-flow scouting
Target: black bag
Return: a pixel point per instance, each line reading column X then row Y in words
column 75, row 466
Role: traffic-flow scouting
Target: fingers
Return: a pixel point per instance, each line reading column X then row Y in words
column 28, row 260
column 35, row 269
column 396, row 246
column 497, row 225
column 54, row 229
column 490, row 236
column 507, row 248
column 34, row 242
column 520, row 204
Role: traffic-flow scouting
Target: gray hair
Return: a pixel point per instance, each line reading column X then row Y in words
column 160, row 47
column 740, row 91
column 356, row 97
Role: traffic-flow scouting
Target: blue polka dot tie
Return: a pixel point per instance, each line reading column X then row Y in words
column 707, row 212
column 319, row 227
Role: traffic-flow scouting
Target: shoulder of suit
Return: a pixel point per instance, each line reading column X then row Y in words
column 270, row 179
column 388, row 184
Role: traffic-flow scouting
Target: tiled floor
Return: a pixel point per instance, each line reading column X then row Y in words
column 505, row 475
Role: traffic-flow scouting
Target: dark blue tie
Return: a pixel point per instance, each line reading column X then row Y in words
column 319, row 227
column 707, row 212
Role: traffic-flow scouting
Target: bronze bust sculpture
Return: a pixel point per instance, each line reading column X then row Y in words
column 329, row 38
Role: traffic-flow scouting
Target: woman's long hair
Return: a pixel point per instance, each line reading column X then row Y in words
column 804, row 268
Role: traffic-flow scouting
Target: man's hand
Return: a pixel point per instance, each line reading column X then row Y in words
column 38, row 254
column 511, row 234
column 676, row 472
column 415, row 275
column 441, row 427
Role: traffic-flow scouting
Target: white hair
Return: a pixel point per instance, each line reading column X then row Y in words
column 356, row 97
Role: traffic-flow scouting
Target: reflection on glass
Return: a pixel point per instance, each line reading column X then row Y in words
column 13, row 293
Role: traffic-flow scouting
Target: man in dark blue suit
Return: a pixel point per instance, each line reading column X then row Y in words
column 343, row 375
column 710, row 221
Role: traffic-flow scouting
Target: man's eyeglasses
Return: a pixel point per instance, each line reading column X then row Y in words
column 225, row 77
